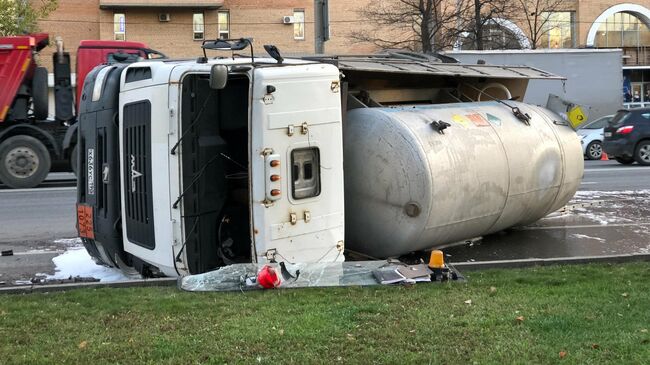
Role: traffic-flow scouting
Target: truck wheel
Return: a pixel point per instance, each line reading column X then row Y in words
column 39, row 93
column 594, row 150
column 24, row 162
column 642, row 153
column 74, row 160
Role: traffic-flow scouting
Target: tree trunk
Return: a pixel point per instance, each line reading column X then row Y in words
column 425, row 27
column 478, row 24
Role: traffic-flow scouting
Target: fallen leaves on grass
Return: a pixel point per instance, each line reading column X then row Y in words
column 519, row 319
column 625, row 295
column 595, row 346
column 468, row 302
column 563, row 354
column 645, row 330
column 83, row 345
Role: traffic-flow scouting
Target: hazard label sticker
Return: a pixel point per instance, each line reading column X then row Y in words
column 493, row 119
column 460, row 119
column 85, row 221
column 478, row 120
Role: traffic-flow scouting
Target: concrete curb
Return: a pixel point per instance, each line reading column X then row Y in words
column 461, row 266
column 47, row 288
column 578, row 260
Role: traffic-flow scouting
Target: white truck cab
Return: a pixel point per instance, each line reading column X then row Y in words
column 250, row 172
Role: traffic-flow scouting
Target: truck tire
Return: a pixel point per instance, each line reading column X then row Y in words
column 39, row 93
column 24, row 162
column 642, row 152
column 74, row 160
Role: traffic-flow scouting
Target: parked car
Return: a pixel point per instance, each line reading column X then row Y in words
column 627, row 136
column 591, row 137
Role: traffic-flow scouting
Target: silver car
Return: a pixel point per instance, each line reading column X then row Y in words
column 591, row 137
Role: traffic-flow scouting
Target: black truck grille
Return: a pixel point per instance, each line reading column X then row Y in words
column 137, row 174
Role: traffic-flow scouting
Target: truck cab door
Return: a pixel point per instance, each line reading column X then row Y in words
column 297, row 164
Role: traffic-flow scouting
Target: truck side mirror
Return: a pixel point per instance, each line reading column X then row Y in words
column 218, row 77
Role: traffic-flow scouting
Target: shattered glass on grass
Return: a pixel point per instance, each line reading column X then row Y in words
column 233, row 277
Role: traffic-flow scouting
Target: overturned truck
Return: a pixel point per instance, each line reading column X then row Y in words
column 188, row 166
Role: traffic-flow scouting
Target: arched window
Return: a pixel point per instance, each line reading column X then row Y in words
column 497, row 34
column 498, row 37
column 494, row 37
column 622, row 29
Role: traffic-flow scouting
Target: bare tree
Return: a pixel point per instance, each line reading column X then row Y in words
column 21, row 16
column 535, row 16
column 418, row 25
column 481, row 16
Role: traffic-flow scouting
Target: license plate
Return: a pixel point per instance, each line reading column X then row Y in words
column 608, row 134
column 85, row 221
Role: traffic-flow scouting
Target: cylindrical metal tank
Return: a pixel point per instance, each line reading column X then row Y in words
column 409, row 187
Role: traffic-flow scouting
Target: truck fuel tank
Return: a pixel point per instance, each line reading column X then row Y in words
column 410, row 186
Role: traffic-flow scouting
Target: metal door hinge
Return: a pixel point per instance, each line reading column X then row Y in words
column 267, row 151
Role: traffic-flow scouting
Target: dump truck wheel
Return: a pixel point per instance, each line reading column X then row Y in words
column 39, row 93
column 24, row 162
column 74, row 160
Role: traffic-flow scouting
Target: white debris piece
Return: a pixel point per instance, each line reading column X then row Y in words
column 584, row 236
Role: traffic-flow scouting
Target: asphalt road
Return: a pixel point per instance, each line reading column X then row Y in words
column 612, row 176
column 33, row 219
column 609, row 215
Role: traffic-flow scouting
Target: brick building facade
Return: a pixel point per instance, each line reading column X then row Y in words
column 177, row 28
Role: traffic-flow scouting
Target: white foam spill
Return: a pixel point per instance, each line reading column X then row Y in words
column 76, row 262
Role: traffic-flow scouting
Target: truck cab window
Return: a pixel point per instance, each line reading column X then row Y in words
column 305, row 164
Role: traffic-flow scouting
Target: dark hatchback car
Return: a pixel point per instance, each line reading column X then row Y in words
column 627, row 136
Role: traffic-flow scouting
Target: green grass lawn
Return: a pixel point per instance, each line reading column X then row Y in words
column 575, row 314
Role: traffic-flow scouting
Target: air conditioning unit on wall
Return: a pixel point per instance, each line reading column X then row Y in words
column 165, row 17
column 288, row 20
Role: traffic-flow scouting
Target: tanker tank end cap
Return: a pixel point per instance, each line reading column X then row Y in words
column 439, row 126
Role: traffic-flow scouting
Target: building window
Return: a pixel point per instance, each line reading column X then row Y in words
column 622, row 30
column 558, row 29
column 299, row 24
column 119, row 27
column 223, row 24
column 198, row 26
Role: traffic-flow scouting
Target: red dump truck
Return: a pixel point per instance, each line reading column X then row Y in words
column 31, row 144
